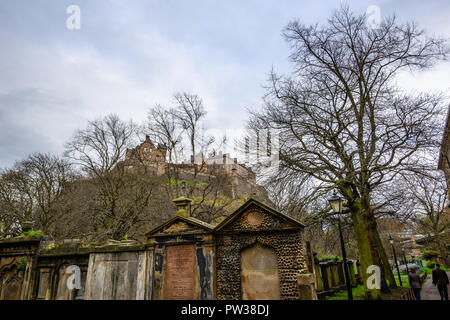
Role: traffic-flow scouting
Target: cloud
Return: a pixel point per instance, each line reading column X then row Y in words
column 128, row 57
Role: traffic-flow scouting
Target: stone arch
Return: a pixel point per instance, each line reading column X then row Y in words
column 11, row 281
column 259, row 273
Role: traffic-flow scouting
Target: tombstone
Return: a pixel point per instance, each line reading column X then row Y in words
column 259, row 273
column 325, row 275
column 259, row 254
column 182, row 258
column 116, row 272
column 306, row 287
column 351, row 273
column 334, row 274
column 317, row 273
column 330, row 276
column 340, row 271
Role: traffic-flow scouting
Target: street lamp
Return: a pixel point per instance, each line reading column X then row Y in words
column 395, row 258
column 336, row 203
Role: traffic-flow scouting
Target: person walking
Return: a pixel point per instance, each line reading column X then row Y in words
column 440, row 278
column 415, row 282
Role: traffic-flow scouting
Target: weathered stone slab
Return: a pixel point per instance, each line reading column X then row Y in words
column 260, row 280
column 116, row 276
column 306, row 287
column 180, row 274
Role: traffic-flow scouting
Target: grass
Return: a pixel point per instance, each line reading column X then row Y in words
column 429, row 270
column 32, row 233
column 405, row 282
column 357, row 292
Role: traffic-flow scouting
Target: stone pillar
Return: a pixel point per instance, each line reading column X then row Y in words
column 306, row 287
column 324, row 273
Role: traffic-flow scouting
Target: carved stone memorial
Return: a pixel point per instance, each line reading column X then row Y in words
column 180, row 270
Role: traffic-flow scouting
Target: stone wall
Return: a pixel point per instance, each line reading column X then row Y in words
column 256, row 253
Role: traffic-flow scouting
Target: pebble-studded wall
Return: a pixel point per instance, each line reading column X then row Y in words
column 256, row 224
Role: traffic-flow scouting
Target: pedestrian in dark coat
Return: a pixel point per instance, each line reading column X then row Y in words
column 440, row 279
column 415, row 282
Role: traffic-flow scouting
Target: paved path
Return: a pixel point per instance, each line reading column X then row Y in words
column 429, row 291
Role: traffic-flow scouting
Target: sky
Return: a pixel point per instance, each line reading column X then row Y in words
column 128, row 56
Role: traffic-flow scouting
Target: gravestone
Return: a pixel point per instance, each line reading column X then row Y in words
column 341, row 276
column 182, row 254
column 351, row 273
column 275, row 243
column 325, row 275
column 116, row 272
column 180, row 270
column 317, row 273
column 259, row 273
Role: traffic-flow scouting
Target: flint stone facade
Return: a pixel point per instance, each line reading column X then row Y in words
column 256, row 253
column 251, row 226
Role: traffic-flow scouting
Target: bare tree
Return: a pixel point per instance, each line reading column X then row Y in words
column 17, row 201
column 189, row 113
column 430, row 214
column 344, row 123
column 100, row 150
column 33, row 189
column 162, row 126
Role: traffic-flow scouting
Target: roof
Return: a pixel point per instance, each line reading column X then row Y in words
column 190, row 220
column 232, row 217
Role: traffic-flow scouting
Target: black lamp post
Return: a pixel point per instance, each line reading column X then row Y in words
column 406, row 261
column 395, row 258
column 336, row 203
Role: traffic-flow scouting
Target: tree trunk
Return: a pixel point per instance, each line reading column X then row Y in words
column 370, row 249
column 389, row 275
column 443, row 251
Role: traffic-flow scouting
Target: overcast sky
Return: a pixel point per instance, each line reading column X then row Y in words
column 129, row 55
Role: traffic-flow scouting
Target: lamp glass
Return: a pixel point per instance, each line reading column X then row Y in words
column 336, row 204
